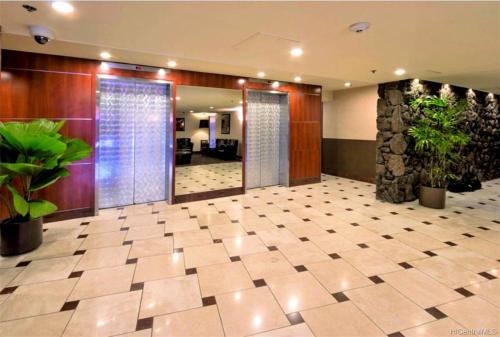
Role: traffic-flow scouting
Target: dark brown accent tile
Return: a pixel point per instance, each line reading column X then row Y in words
column 84, row 223
column 457, row 212
column 334, row 256
column 427, row 222
column 262, row 215
column 235, row 221
column 23, row 263
column 251, row 233
column 155, row 212
column 410, row 208
column 203, row 227
column 162, row 222
column 193, row 217
column 272, row 248
column 405, row 265
column 184, row 207
column 168, row 234
column 280, row 226
column 82, row 236
column 210, row 204
column 436, row 313
column 308, row 206
column 217, row 240
column 483, row 228
column 190, row 271
column 495, row 221
column 387, row 236
column 306, row 219
column 304, row 239
column 222, row 212
column 70, row 305
column 443, row 217
column 331, row 231
column 127, row 242
column 210, row 300
column 394, row 213
column 300, row 268
column 294, row 318
column 120, row 208
column 137, row 286
column 122, row 217
column 396, row 334
column 408, row 229
column 487, row 275
column 340, row 297
column 131, row 261
column 327, row 202
column 259, row 283
column 375, row 279
column 124, row 229
column 286, row 210
column 8, row 290
column 464, row 292
column 363, row 245
column 246, row 207
column 178, row 250
column 428, row 252
column 235, row 258
column 76, row 274
column 349, row 209
column 355, row 224
column 328, row 214
column 45, row 229
column 79, row 252
column 144, row 323
column 468, row 235
column 449, row 243
column 375, row 218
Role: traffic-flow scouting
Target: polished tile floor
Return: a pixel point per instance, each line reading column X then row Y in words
column 318, row 260
column 207, row 177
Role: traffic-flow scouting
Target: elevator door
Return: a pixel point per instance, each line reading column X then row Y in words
column 132, row 143
column 267, row 139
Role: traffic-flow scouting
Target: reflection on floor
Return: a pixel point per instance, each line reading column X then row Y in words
column 324, row 259
column 200, row 159
column 201, row 178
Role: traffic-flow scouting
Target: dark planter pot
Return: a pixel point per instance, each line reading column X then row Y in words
column 20, row 237
column 432, row 197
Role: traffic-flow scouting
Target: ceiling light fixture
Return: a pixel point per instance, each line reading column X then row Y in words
column 241, row 102
column 359, row 27
column 400, row 72
column 261, row 74
column 348, row 84
column 172, row 64
column 62, row 7
column 211, row 107
column 105, row 55
column 275, row 84
column 297, row 79
column 296, row 52
column 178, row 98
column 241, row 81
column 104, row 66
column 191, row 111
column 161, row 72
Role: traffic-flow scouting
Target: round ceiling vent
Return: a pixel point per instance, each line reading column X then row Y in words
column 359, row 27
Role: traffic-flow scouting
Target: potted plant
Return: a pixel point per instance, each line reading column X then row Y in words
column 33, row 155
column 438, row 139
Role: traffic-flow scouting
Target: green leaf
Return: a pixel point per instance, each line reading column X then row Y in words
column 4, row 179
column 21, row 205
column 76, row 150
column 23, row 169
column 47, row 178
column 39, row 208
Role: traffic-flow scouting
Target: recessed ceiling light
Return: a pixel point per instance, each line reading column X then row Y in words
column 347, row 84
column 178, row 98
column 104, row 66
column 296, row 52
column 105, row 55
column 172, row 64
column 241, row 102
column 400, row 72
column 261, row 74
column 191, row 111
column 241, row 81
column 297, row 79
column 62, row 7
column 161, row 72
column 275, row 84
column 211, row 107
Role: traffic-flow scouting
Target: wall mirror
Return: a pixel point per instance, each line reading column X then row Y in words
column 208, row 132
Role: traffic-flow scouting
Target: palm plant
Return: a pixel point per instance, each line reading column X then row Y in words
column 34, row 155
column 438, row 137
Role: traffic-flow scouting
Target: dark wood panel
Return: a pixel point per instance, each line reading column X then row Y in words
column 305, row 136
column 305, row 107
column 349, row 158
column 304, row 164
column 45, row 62
column 40, row 94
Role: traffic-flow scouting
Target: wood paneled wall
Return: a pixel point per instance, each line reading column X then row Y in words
column 56, row 87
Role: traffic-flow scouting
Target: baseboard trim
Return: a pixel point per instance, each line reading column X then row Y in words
column 69, row 214
column 305, row 181
column 208, row 195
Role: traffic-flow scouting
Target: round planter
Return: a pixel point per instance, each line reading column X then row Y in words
column 432, row 197
column 20, row 237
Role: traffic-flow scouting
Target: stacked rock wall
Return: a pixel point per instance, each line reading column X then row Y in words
column 398, row 166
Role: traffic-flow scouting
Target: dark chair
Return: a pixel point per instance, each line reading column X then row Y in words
column 184, row 144
column 184, row 151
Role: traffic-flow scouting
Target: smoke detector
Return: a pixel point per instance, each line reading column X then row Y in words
column 359, row 27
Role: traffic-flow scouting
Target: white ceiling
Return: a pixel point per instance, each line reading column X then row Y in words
column 454, row 42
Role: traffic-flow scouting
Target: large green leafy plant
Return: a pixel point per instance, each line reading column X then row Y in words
column 34, row 155
column 438, row 136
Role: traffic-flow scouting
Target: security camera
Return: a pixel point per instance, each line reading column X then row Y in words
column 42, row 35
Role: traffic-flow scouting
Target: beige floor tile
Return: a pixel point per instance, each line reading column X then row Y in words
column 438, row 233
column 333, row 243
column 420, row 288
column 468, row 259
column 222, row 278
column 338, row 275
column 177, row 226
column 397, row 251
column 244, row 245
column 141, row 220
column 489, row 290
column 257, row 224
column 192, row 238
column 137, row 209
column 140, row 333
column 145, row 232
column 173, row 215
column 282, row 218
column 205, row 255
column 9, row 274
column 52, row 249
column 159, row 266
column 62, row 233
column 385, row 307
column 170, row 295
column 36, row 299
column 105, row 315
column 299, row 291
column 480, row 246
column 249, row 312
column 213, row 219
column 267, row 264
column 297, row 330
column 302, row 253
column 419, row 241
column 203, row 321
column 103, row 257
column 47, row 270
column 9, row 262
column 473, row 312
column 151, row 247
column 305, row 229
column 447, row 272
column 370, row 262
column 360, row 235
column 104, row 281
column 101, row 240
column 332, row 222
column 38, row 326
column 103, row 226
column 342, row 320
column 439, row 328
column 278, row 236
column 226, row 231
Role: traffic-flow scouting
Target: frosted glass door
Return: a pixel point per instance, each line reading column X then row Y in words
column 269, row 139
column 252, row 160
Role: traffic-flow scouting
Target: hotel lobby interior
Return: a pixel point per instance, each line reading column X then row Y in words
column 278, row 169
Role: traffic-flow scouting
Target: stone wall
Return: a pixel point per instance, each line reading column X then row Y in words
column 398, row 167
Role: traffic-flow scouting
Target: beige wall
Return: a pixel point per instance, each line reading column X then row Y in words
column 350, row 113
